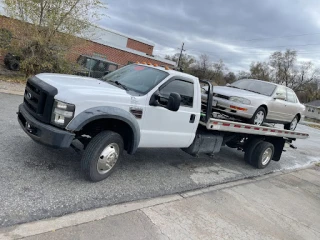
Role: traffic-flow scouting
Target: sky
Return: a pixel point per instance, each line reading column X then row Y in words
column 236, row 31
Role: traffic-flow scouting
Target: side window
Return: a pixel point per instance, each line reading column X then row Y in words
column 281, row 91
column 291, row 96
column 184, row 88
column 101, row 66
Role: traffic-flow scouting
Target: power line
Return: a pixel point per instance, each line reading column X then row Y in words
column 286, row 36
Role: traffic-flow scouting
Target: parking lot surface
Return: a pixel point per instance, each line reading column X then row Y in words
column 39, row 182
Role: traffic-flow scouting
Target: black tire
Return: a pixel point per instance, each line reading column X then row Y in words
column 260, row 109
column 89, row 161
column 14, row 65
column 250, row 145
column 257, row 159
column 288, row 125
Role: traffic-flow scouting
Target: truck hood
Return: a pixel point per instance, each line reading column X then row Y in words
column 229, row 91
column 79, row 84
column 86, row 92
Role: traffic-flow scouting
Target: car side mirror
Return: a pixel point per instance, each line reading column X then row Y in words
column 174, row 102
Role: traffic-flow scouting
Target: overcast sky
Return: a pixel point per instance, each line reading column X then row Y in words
column 236, row 31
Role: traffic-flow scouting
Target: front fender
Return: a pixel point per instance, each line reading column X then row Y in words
column 107, row 112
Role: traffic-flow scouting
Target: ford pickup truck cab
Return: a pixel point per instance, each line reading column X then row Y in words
column 137, row 106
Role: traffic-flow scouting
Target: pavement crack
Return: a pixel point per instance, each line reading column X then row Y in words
column 153, row 223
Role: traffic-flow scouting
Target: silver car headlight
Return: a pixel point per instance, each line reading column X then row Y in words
column 240, row 100
column 62, row 113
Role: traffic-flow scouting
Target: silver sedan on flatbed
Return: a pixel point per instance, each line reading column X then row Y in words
column 257, row 101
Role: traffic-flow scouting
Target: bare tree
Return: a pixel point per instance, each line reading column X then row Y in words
column 260, row 70
column 283, row 65
column 243, row 75
column 186, row 61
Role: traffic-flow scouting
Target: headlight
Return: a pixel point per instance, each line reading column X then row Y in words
column 240, row 100
column 62, row 113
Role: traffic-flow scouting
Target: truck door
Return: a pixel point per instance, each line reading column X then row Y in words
column 164, row 128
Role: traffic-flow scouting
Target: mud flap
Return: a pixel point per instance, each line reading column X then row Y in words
column 205, row 143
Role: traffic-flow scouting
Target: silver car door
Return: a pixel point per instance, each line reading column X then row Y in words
column 292, row 105
column 277, row 107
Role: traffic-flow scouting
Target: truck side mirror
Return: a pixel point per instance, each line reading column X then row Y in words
column 174, row 102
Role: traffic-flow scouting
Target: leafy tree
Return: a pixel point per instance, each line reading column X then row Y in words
column 51, row 27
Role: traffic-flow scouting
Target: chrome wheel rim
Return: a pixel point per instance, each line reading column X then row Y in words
column 108, row 158
column 293, row 124
column 266, row 156
column 258, row 119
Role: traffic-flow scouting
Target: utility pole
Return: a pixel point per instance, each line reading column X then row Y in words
column 180, row 54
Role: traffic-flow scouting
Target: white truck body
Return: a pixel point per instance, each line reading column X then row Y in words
column 59, row 109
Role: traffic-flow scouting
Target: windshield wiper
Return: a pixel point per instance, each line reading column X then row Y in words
column 234, row 87
column 252, row 91
column 120, row 84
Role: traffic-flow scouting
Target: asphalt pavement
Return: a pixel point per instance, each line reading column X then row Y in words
column 39, row 182
column 255, row 208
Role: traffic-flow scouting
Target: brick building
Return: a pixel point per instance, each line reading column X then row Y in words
column 117, row 47
column 105, row 43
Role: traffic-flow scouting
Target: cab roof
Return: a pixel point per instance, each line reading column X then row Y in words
column 168, row 70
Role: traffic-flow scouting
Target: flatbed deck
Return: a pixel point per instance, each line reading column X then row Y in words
column 238, row 127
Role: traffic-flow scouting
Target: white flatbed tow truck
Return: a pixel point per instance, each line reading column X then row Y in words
column 138, row 106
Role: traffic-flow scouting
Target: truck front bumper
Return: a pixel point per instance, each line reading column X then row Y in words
column 43, row 133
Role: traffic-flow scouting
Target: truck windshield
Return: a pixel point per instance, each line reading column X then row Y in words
column 260, row 87
column 137, row 78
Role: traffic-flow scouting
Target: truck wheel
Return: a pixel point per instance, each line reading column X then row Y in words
column 102, row 155
column 262, row 155
column 250, row 145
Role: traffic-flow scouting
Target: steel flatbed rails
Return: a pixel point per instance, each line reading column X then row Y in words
column 261, row 144
column 236, row 127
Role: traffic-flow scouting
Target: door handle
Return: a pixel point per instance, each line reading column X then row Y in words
column 192, row 118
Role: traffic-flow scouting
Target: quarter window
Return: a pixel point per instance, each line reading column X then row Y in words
column 281, row 91
column 291, row 96
column 184, row 88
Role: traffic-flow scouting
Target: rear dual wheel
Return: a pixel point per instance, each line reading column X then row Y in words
column 259, row 153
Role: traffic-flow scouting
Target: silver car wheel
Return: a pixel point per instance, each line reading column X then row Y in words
column 293, row 124
column 258, row 119
column 266, row 156
column 108, row 158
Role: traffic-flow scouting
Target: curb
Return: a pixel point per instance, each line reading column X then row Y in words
column 53, row 224
column 11, row 92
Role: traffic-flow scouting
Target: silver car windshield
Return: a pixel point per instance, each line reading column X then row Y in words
column 260, row 87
